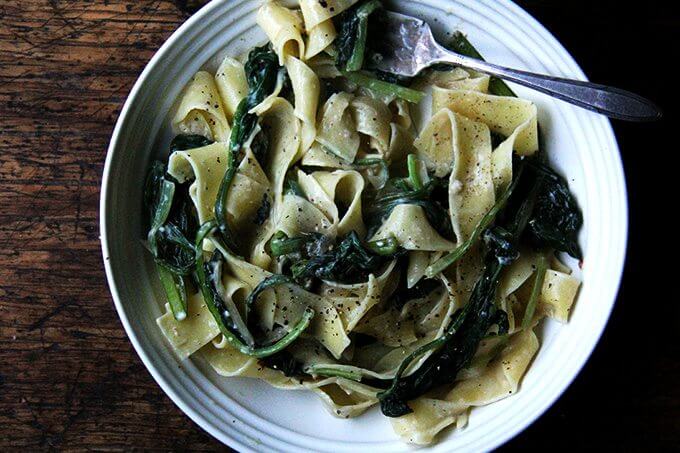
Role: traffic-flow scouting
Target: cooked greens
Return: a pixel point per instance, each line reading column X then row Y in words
column 317, row 286
column 317, row 256
column 235, row 333
column 557, row 218
column 262, row 70
column 183, row 142
column 172, row 220
column 352, row 26
column 455, row 349
column 382, row 88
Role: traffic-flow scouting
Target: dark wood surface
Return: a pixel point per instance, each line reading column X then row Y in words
column 69, row 378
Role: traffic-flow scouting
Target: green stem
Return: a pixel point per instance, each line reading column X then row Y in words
column 450, row 258
column 384, row 88
column 166, row 194
column 335, row 372
column 207, row 229
column 541, row 268
column 384, row 247
column 281, row 244
column 175, row 290
column 413, row 175
column 356, row 60
column 271, row 281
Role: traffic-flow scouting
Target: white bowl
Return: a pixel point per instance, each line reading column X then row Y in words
column 249, row 415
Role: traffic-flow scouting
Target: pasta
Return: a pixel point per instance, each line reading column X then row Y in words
column 309, row 232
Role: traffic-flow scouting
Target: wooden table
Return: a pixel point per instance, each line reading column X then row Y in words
column 69, row 378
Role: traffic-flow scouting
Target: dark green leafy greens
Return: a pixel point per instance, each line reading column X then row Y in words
column 398, row 191
column 454, row 350
column 557, row 218
column 235, row 332
column 172, row 220
column 262, row 70
column 382, row 88
column 315, row 256
column 352, row 27
column 183, row 142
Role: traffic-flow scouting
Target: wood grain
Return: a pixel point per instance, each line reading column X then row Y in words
column 69, row 378
column 68, row 375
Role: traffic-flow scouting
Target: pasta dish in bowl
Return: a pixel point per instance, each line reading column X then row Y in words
column 309, row 233
column 366, row 238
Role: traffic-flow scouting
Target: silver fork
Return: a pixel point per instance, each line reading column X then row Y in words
column 407, row 47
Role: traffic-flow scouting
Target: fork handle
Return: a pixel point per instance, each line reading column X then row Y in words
column 609, row 101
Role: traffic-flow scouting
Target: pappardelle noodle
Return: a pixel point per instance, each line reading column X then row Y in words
column 371, row 238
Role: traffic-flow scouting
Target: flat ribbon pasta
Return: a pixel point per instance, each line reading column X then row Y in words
column 327, row 190
column 505, row 115
column 408, row 224
column 192, row 333
column 313, row 160
column 231, row 84
column 319, row 38
column 206, row 167
column 201, row 111
column 284, row 28
column 372, row 118
column 283, row 130
column 453, row 143
column 501, row 379
column 337, row 131
column 306, row 88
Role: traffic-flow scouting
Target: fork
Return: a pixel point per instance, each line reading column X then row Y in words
column 407, row 47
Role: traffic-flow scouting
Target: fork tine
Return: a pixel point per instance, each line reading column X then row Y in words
column 403, row 46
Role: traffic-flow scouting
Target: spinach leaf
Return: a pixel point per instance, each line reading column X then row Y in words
column 207, row 277
column 284, row 362
column 499, row 241
column 262, row 69
column 183, row 142
column 396, row 192
column 172, row 219
column 348, row 262
column 314, row 256
column 557, row 218
column 455, row 349
column 352, row 26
